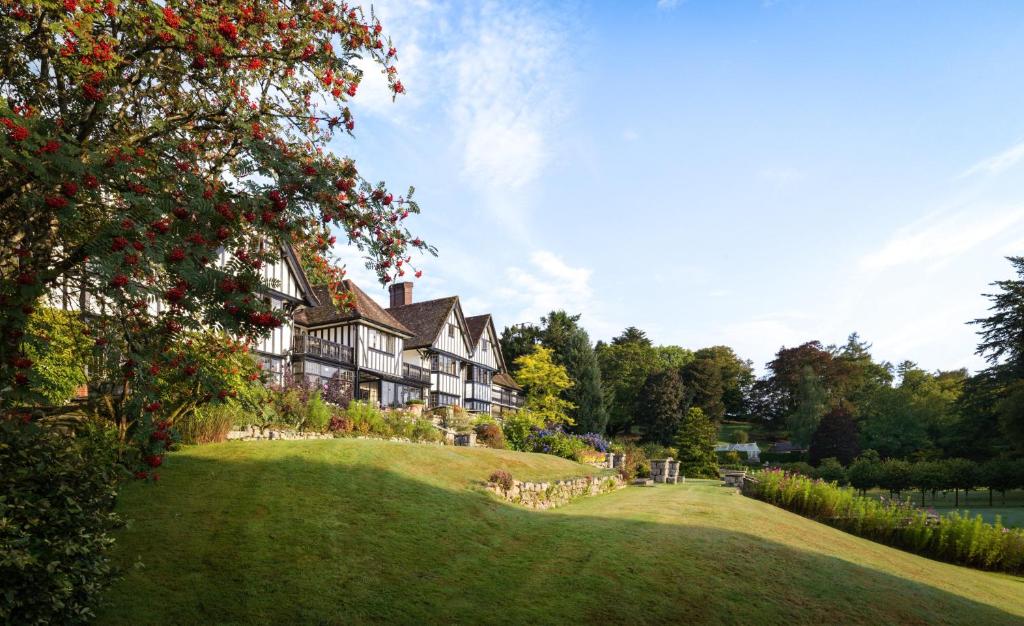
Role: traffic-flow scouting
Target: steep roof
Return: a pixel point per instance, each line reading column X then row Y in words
column 424, row 319
column 477, row 325
column 364, row 308
column 503, row 379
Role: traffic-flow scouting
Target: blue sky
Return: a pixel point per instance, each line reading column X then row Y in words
column 755, row 174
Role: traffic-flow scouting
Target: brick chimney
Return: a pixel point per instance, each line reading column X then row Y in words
column 401, row 294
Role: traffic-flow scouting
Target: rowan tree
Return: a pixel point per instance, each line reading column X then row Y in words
column 164, row 152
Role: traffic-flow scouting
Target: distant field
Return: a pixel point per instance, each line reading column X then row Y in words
column 974, row 502
column 343, row 531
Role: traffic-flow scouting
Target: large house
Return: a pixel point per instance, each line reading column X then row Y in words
column 426, row 351
column 463, row 354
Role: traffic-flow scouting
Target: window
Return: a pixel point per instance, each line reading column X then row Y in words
column 444, row 364
column 484, row 345
column 380, row 341
column 451, row 330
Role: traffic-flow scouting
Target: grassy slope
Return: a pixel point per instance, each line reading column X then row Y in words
column 343, row 531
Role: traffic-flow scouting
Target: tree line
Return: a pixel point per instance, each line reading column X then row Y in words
column 836, row 401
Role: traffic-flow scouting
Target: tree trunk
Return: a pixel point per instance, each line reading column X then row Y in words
column 957, row 497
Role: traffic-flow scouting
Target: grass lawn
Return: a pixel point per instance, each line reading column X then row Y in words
column 975, row 503
column 367, row 531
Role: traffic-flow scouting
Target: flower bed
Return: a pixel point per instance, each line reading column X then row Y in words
column 954, row 538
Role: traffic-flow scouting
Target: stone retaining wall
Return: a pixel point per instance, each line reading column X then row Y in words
column 254, row 434
column 548, row 495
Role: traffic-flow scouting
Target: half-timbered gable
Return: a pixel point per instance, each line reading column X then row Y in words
column 440, row 341
column 484, row 362
column 287, row 288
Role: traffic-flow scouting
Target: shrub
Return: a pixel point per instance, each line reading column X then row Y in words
column 595, row 441
column 517, row 428
column 318, row 413
column 799, row 467
column 555, row 441
column 954, row 538
column 503, row 478
column 490, row 435
column 865, row 473
column 367, row 418
column 209, row 423
column 56, row 499
column 658, row 451
column 832, row 471
column 635, row 463
column 340, row 425
column 740, row 436
column 424, row 430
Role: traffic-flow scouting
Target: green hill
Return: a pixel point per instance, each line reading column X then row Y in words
column 366, row 531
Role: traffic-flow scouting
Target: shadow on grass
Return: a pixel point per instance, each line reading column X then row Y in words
column 295, row 540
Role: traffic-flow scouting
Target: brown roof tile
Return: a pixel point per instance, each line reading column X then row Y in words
column 477, row 324
column 503, row 379
column 424, row 319
column 364, row 308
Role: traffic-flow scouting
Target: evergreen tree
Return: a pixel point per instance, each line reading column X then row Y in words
column 736, row 375
column 811, row 402
column 660, row 406
column 586, row 394
column 703, row 381
column 518, row 340
column 696, row 441
column 835, row 437
column 1001, row 387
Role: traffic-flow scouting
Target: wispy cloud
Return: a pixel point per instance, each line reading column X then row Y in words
column 546, row 284
column 937, row 238
column 998, row 163
column 669, row 4
column 630, row 135
column 507, row 98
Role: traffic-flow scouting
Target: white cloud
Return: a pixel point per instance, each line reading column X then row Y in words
column 669, row 4
column 549, row 283
column 630, row 135
column 937, row 238
column 998, row 163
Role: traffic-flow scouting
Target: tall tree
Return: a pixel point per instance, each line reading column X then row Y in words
column 736, row 375
column 661, row 406
column 703, row 380
column 1002, row 345
column 835, row 437
column 571, row 348
column 518, row 340
column 625, row 364
column 696, row 441
column 544, row 381
column 810, row 404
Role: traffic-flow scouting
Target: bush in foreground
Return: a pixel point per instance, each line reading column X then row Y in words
column 954, row 538
column 57, row 493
